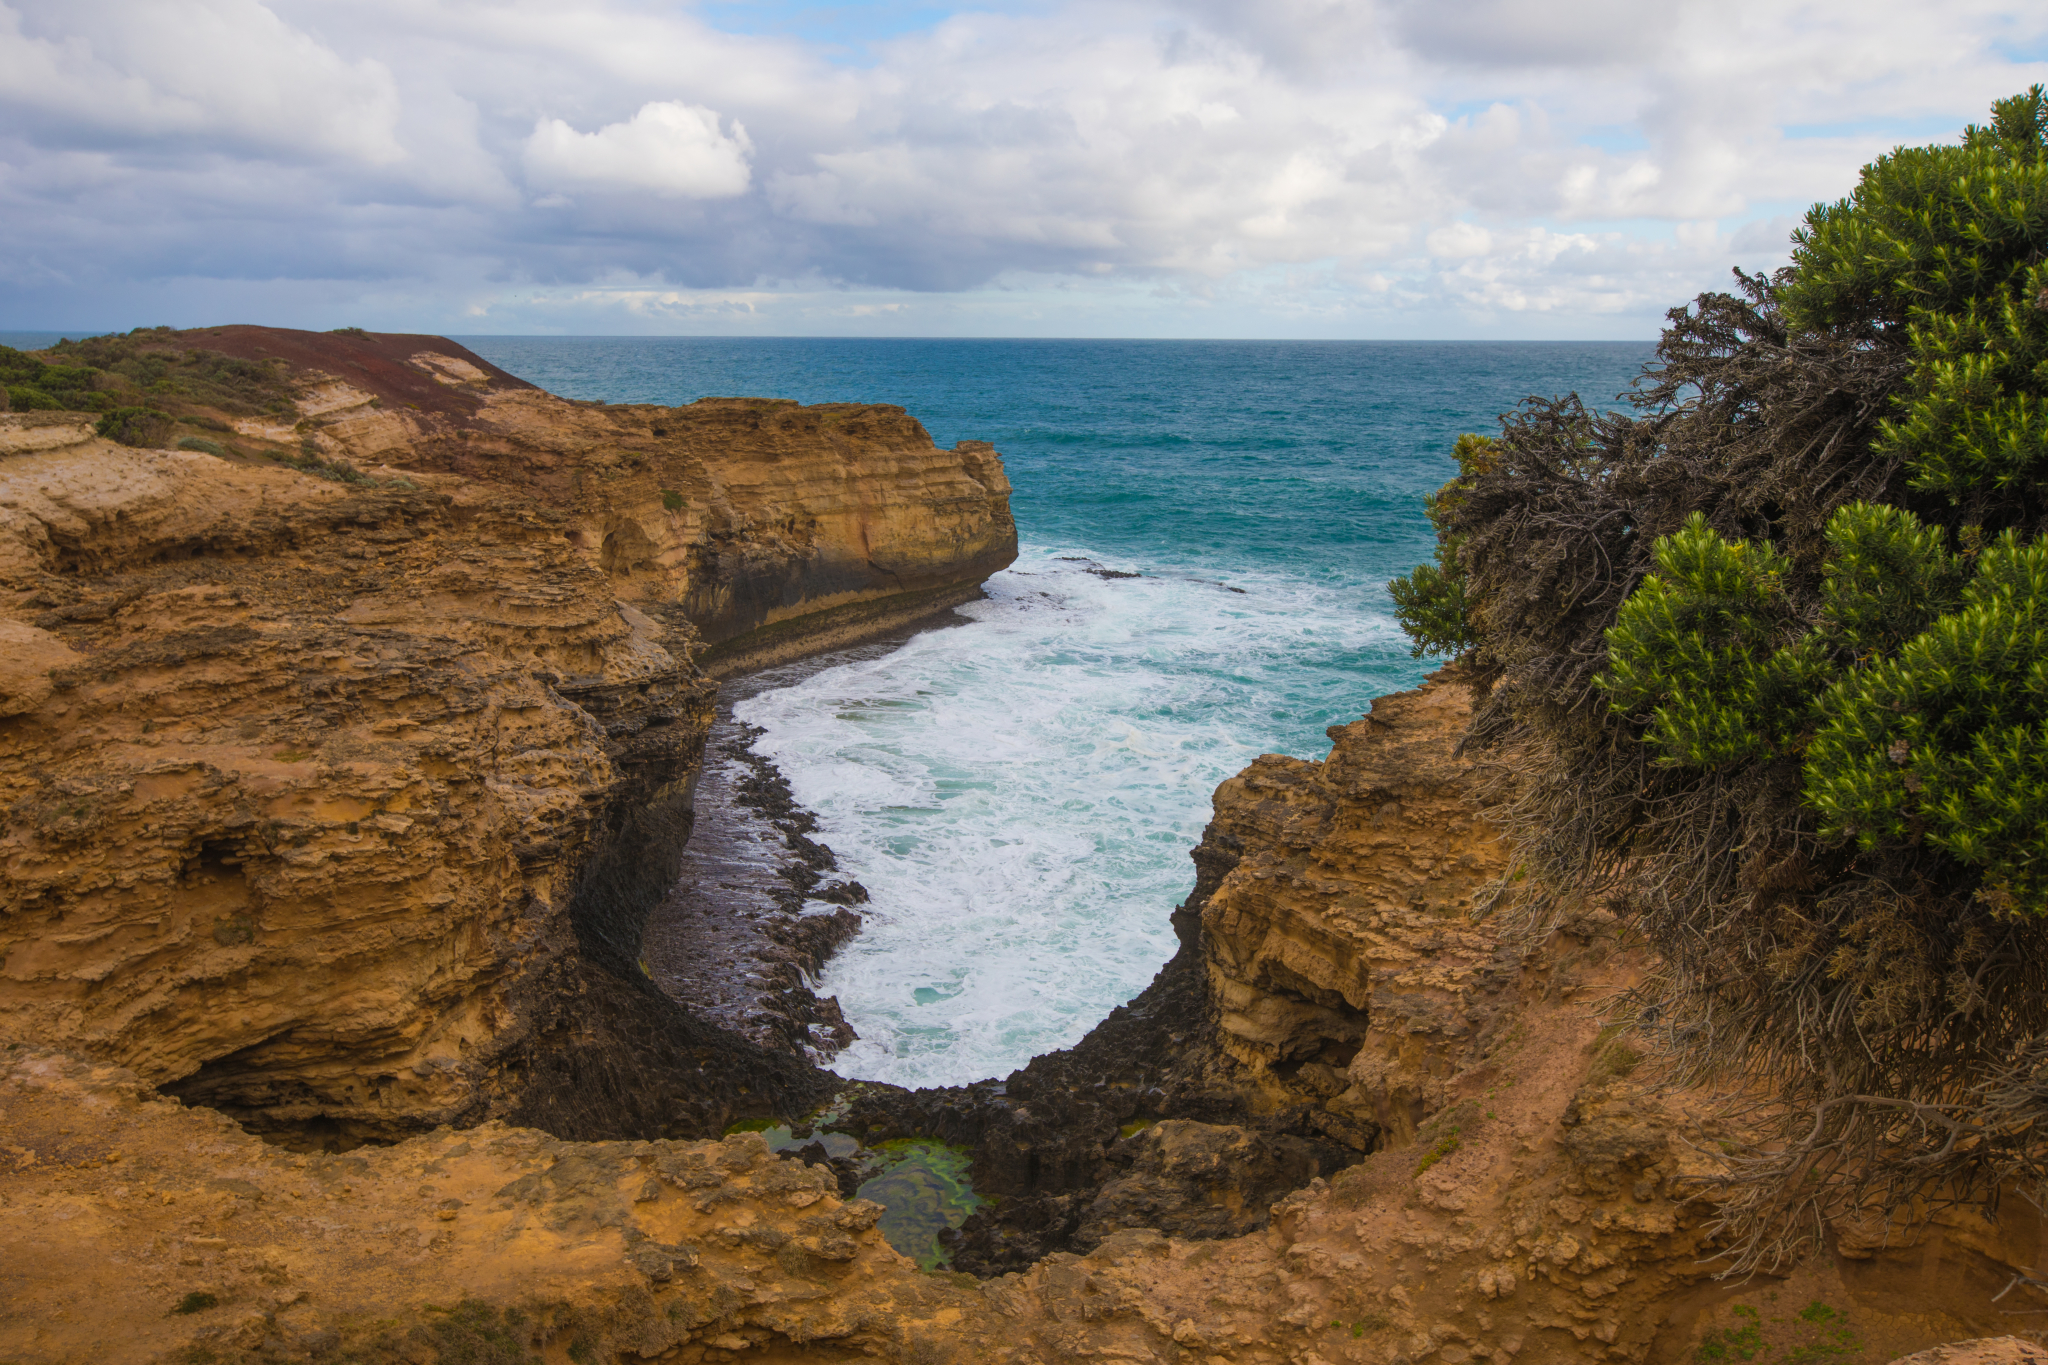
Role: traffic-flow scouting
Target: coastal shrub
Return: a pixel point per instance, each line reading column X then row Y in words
column 162, row 362
column 133, row 426
column 35, row 386
column 1764, row 674
column 1429, row 601
column 27, row 398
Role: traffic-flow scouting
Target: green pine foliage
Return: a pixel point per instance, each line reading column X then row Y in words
column 1762, row 667
column 1708, row 650
column 1945, row 242
column 1947, row 740
column 1913, row 721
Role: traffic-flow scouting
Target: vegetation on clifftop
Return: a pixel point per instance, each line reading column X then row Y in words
column 141, row 383
column 1768, row 668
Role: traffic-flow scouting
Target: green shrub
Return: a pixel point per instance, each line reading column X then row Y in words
column 1708, row 648
column 1764, row 673
column 135, row 426
column 1947, row 740
column 1945, row 242
column 1429, row 601
column 201, row 443
column 22, row 398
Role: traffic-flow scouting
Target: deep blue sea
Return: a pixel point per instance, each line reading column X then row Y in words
column 1019, row 795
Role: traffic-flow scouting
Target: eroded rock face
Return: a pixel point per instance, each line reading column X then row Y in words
column 1552, row 1207
column 337, row 798
column 776, row 529
column 133, row 1230
column 1340, row 949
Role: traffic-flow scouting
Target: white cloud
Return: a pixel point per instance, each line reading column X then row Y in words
column 669, row 149
column 220, row 74
column 1388, row 166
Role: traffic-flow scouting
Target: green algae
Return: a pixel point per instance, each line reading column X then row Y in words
column 923, row 1188
column 922, row 1184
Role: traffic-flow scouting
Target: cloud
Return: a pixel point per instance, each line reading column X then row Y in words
column 1392, row 167
column 222, row 75
column 669, row 149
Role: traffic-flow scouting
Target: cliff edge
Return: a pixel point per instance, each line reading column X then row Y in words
column 347, row 737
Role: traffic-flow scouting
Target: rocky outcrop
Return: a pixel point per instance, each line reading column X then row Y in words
column 133, row 1230
column 336, row 798
column 1532, row 1196
column 776, row 529
column 1340, row 949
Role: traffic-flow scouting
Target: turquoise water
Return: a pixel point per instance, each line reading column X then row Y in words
column 1019, row 794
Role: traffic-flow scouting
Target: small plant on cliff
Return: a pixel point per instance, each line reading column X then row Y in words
column 1429, row 601
column 1449, row 1142
column 134, row 426
column 1767, row 675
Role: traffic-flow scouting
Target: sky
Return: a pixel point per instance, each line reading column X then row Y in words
column 1128, row 168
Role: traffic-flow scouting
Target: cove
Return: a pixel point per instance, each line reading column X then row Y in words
column 1207, row 529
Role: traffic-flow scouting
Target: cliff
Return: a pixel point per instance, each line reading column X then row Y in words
column 776, row 529
column 335, row 797
column 343, row 751
column 1529, row 1196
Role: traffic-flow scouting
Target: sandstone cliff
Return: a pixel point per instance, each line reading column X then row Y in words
column 335, row 796
column 776, row 529
column 1529, row 1197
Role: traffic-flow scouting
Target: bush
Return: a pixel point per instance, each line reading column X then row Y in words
column 33, row 386
column 23, row 398
column 135, row 426
column 1766, row 677
column 1429, row 601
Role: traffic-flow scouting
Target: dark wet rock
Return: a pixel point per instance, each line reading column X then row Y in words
column 741, row 938
column 1200, row 1179
column 1048, row 1142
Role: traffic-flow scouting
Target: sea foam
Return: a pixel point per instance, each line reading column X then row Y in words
column 1019, row 794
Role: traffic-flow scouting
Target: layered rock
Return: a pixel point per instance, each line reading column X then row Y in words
column 1339, row 945
column 132, row 1230
column 1551, row 1206
column 777, row 529
column 337, row 798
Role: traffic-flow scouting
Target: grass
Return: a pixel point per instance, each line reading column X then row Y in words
column 1450, row 1142
column 1371, row 1322
column 1814, row 1335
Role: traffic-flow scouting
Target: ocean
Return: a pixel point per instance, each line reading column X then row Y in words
column 1206, row 533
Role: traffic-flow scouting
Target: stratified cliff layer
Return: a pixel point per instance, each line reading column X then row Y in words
column 777, row 529
column 1528, row 1196
column 336, row 797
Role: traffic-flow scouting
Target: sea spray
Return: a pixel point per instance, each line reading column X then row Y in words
column 1019, row 794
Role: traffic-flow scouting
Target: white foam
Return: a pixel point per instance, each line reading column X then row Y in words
column 1019, row 795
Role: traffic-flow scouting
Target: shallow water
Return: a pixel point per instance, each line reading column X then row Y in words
column 1019, row 795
